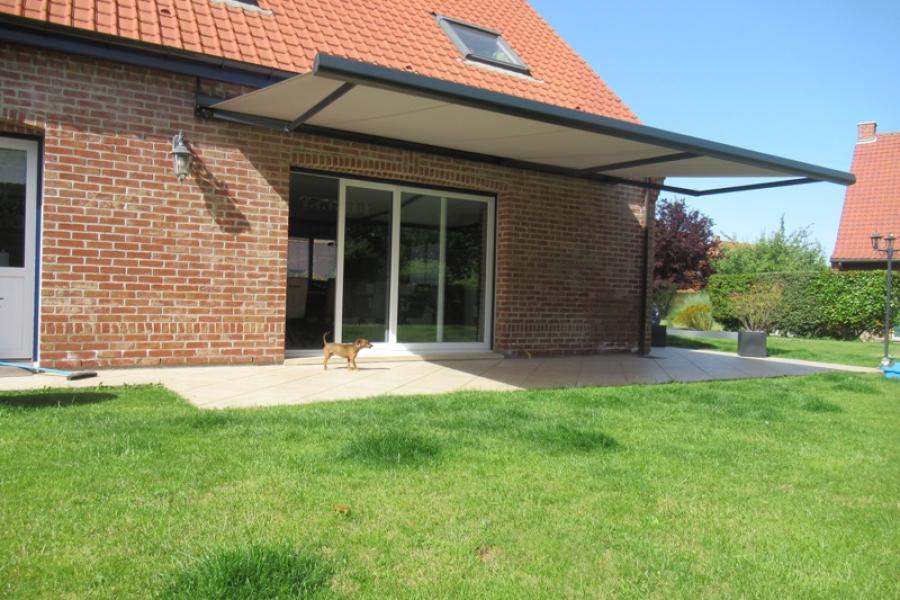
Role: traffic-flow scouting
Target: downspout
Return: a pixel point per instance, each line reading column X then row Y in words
column 647, row 272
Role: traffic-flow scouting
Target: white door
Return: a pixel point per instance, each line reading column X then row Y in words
column 18, row 208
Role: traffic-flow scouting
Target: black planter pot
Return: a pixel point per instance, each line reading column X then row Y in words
column 752, row 343
column 658, row 336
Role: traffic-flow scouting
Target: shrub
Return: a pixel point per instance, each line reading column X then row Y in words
column 757, row 307
column 695, row 312
column 818, row 304
column 853, row 302
column 781, row 252
column 800, row 311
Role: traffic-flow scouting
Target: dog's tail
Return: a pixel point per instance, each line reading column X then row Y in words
column 325, row 338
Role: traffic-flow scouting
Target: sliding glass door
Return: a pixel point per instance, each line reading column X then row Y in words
column 414, row 267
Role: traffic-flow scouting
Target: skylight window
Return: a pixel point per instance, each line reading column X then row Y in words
column 246, row 5
column 482, row 45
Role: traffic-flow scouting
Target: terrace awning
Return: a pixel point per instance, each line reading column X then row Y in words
column 361, row 101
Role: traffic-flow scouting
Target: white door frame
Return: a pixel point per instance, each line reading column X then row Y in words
column 391, row 346
column 25, row 328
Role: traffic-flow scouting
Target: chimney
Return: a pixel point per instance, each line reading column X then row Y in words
column 866, row 132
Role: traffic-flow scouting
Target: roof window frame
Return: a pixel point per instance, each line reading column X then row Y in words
column 246, row 5
column 448, row 23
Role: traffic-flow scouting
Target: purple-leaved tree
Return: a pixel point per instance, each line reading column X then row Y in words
column 685, row 246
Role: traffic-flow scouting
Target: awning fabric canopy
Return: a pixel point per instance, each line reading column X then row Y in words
column 352, row 99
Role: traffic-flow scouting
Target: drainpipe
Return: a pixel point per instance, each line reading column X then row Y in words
column 647, row 266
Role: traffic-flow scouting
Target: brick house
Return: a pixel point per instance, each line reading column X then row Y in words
column 873, row 204
column 436, row 177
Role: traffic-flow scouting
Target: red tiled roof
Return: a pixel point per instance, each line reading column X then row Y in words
column 400, row 34
column 873, row 203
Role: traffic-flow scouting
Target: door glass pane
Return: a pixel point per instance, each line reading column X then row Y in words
column 12, row 207
column 420, row 251
column 464, row 294
column 312, row 260
column 367, row 251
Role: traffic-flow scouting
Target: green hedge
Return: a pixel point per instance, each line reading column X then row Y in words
column 818, row 304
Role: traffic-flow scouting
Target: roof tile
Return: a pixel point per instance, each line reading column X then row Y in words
column 399, row 34
column 873, row 203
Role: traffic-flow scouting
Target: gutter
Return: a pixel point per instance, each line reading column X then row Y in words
column 69, row 40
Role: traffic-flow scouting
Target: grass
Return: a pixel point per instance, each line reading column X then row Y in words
column 862, row 354
column 255, row 572
column 756, row 488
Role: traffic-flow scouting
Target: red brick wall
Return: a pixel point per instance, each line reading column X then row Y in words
column 139, row 269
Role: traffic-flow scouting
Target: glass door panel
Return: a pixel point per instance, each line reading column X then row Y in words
column 420, row 280
column 466, row 226
column 312, row 260
column 13, row 169
column 18, row 206
column 368, row 222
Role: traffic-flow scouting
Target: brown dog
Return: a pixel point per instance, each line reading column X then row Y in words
column 348, row 351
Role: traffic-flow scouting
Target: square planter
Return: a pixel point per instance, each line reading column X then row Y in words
column 752, row 343
column 658, row 336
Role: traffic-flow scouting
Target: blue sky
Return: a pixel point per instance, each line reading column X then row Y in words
column 791, row 78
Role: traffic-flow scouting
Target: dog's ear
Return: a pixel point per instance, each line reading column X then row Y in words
column 359, row 342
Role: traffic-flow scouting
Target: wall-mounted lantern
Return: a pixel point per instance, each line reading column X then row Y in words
column 181, row 155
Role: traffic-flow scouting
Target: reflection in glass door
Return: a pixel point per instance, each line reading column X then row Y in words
column 312, row 260
column 368, row 224
column 465, row 287
column 441, row 291
column 419, row 289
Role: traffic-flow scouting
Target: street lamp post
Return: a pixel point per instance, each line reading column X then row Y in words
column 888, row 250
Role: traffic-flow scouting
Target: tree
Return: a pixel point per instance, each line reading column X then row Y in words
column 781, row 252
column 685, row 246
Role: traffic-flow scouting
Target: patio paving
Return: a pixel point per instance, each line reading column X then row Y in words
column 271, row 385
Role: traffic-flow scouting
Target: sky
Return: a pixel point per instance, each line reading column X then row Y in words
column 790, row 78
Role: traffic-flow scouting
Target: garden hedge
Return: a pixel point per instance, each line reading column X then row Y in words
column 817, row 304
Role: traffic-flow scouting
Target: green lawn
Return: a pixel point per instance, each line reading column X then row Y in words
column 782, row 488
column 862, row 354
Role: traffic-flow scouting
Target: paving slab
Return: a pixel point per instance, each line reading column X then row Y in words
column 275, row 385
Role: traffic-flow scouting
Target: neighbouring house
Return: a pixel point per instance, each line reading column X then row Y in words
column 873, row 204
column 442, row 176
